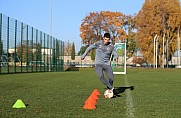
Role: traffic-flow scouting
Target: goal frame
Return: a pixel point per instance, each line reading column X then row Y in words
column 121, row 46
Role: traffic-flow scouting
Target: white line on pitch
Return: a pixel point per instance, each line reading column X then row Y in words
column 129, row 101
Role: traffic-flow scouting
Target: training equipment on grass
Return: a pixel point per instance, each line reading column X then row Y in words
column 96, row 92
column 19, row 104
column 120, row 67
column 108, row 93
column 91, row 101
column 95, row 96
column 89, row 106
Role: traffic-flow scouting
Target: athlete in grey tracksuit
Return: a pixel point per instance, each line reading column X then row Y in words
column 104, row 49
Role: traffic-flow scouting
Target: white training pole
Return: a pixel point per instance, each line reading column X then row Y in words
column 178, row 52
column 163, row 51
column 154, row 50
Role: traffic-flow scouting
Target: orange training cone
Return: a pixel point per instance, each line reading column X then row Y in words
column 91, row 102
column 90, row 99
column 94, row 96
column 89, row 106
column 96, row 92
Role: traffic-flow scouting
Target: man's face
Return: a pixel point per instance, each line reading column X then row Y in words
column 106, row 40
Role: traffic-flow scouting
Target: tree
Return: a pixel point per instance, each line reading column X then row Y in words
column 93, row 54
column 73, row 52
column 67, row 48
column 24, row 53
column 161, row 17
column 129, row 26
column 37, row 52
column 58, row 53
column 97, row 23
column 82, row 50
column 1, row 48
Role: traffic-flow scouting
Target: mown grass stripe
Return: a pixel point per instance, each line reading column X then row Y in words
column 129, row 101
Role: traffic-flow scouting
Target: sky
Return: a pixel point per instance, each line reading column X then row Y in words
column 67, row 15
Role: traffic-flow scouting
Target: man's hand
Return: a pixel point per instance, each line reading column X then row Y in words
column 116, row 60
column 82, row 58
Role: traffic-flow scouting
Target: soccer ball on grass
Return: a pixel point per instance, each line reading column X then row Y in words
column 108, row 93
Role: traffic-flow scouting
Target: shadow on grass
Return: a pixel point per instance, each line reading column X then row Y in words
column 119, row 90
column 71, row 68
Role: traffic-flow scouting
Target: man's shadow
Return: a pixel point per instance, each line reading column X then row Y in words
column 119, row 90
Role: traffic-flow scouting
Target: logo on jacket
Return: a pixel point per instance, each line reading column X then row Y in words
column 100, row 46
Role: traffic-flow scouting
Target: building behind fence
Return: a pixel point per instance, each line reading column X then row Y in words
column 26, row 49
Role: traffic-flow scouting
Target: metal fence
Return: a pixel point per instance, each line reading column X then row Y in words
column 26, row 49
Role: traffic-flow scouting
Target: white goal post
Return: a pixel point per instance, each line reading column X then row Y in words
column 120, row 67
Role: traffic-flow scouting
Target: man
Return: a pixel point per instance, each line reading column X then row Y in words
column 104, row 50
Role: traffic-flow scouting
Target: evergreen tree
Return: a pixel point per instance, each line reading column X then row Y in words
column 82, row 50
column 73, row 52
column 93, row 54
column 1, row 47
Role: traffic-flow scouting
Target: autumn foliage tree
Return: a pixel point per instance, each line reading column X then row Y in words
column 97, row 23
column 129, row 26
column 161, row 17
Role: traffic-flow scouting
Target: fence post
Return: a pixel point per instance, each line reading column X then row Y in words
column 8, row 44
column 1, row 43
column 15, row 46
column 32, row 47
column 27, row 51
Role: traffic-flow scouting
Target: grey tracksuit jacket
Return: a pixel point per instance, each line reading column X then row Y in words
column 103, row 52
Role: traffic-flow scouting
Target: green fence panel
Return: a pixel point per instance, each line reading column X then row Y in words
column 26, row 49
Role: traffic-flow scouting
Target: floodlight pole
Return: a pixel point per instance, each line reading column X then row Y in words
column 50, row 34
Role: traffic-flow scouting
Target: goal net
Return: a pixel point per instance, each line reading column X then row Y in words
column 120, row 67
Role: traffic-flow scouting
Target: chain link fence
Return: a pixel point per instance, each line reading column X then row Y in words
column 26, row 49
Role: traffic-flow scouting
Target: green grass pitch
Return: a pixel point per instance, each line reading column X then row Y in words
column 156, row 93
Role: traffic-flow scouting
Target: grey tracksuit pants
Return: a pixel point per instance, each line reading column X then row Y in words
column 108, row 70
